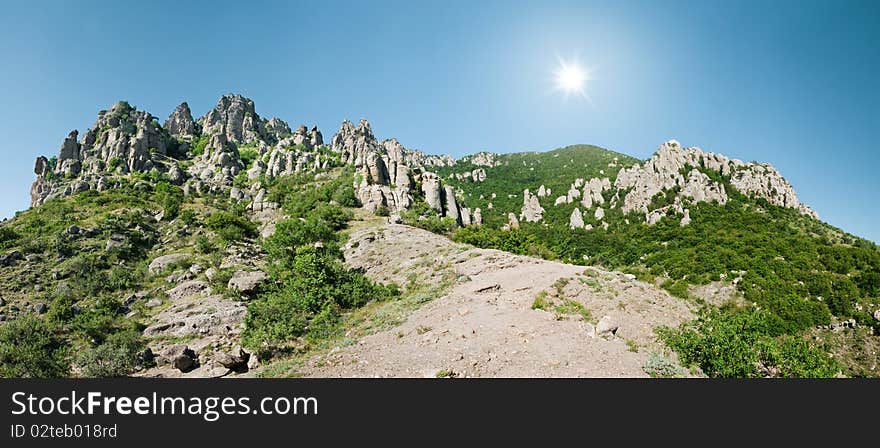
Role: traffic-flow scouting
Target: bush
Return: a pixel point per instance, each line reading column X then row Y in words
column 231, row 227
column 170, row 197
column 8, row 237
column 659, row 366
column 345, row 196
column 744, row 342
column 115, row 357
column 204, row 245
column 198, row 146
column 29, row 349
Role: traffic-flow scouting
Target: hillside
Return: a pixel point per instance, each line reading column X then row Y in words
column 233, row 244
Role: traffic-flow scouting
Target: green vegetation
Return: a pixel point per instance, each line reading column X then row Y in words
column 198, row 145
column 659, row 366
column 312, row 287
column 248, row 154
column 230, row 227
column 516, row 172
column 29, row 349
column 799, row 272
column 744, row 343
column 541, row 302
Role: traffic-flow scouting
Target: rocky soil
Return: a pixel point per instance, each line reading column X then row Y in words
column 596, row 323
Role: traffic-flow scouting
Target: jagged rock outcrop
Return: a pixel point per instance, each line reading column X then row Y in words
column 477, row 175
column 235, row 117
column 762, row 180
column 531, row 209
column 487, row 159
column 218, row 165
column 387, row 173
column 123, row 140
column 277, row 128
column 181, row 124
column 478, row 217
column 673, row 166
column 354, row 143
column 592, row 192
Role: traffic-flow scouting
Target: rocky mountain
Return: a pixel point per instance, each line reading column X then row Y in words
column 233, row 244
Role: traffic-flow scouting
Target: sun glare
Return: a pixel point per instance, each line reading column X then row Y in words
column 571, row 78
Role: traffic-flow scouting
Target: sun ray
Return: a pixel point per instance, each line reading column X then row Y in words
column 571, row 79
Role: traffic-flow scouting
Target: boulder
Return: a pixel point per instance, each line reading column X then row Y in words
column 185, row 360
column 188, row 289
column 159, row 264
column 236, row 360
column 246, row 282
column 607, row 326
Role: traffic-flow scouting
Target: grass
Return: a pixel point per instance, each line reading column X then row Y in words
column 372, row 318
column 541, row 302
column 569, row 306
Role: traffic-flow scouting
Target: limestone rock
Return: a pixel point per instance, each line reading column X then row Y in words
column 247, row 282
column 188, row 289
column 531, row 209
column 607, row 327
column 512, row 222
column 277, row 128
column 576, row 220
column 159, row 264
column 235, row 117
column 478, row 217
column 686, row 219
column 431, row 190
column 181, row 124
column 236, row 360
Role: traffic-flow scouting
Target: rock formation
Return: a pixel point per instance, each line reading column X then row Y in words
column 576, row 221
column 675, row 167
column 531, row 209
column 236, row 117
column 387, row 172
column 181, row 124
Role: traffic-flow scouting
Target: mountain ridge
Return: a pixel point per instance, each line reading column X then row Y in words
column 193, row 247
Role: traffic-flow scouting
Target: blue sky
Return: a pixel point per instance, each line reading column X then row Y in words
column 791, row 83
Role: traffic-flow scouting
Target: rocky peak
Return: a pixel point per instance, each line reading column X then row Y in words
column 674, row 166
column 354, row 143
column 122, row 140
column 235, row 116
column 181, row 124
column 277, row 128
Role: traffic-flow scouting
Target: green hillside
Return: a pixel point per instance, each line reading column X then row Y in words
column 794, row 274
column 555, row 170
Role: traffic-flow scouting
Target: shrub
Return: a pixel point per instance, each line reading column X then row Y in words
column 744, row 342
column 29, row 349
column 204, row 245
column 659, row 366
column 248, row 155
column 231, row 227
column 115, row 357
column 170, row 197
column 198, row 146
column 345, row 196
column 8, row 237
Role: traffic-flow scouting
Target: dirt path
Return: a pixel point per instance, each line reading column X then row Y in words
column 484, row 324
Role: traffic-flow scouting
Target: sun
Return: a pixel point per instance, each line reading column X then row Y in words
column 571, row 78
